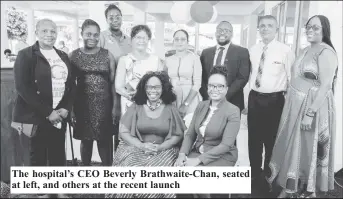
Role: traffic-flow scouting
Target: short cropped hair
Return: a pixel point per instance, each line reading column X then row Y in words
column 268, row 17
column 44, row 20
column 89, row 22
column 225, row 22
column 112, row 7
column 220, row 70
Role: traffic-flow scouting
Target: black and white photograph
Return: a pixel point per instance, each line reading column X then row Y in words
column 124, row 84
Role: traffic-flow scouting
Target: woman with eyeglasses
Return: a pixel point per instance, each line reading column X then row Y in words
column 213, row 129
column 210, row 138
column 151, row 129
column 302, row 161
column 94, row 68
column 134, row 65
column 184, row 69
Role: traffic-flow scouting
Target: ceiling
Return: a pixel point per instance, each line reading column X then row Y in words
column 233, row 11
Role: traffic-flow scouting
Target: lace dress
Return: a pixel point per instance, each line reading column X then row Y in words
column 93, row 103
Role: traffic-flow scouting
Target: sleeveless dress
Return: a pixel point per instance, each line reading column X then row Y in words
column 135, row 70
column 300, row 156
column 93, row 103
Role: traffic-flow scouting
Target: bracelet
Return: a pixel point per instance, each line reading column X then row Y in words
column 310, row 112
column 309, row 115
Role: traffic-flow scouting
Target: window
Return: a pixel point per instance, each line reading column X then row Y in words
column 275, row 11
column 282, row 21
column 258, row 36
column 304, row 16
column 245, row 37
column 290, row 23
column 292, row 16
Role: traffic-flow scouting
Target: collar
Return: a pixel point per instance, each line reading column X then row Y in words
column 221, row 103
column 123, row 36
column 226, row 46
column 270, row 43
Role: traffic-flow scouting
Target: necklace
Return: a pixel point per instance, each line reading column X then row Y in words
column 151, row 107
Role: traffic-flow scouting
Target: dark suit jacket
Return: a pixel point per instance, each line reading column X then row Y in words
column 32, row 76
column 220, row 133
column 238, row 64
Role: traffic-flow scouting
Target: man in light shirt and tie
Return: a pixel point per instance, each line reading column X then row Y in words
column 270, row 75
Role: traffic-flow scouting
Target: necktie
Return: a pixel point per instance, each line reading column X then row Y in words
column 260, row 68
column 219, row 57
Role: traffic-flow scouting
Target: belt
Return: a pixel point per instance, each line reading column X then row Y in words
column 269, row 94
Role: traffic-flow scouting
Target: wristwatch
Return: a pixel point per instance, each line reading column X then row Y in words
column 310, row 112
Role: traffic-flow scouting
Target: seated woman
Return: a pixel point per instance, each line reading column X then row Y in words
column 151, row 129
column 213, row 129
column 211, row 135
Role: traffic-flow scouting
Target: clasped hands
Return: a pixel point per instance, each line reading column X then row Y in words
column 182, row 160
column 57, row 116
column 150, row 148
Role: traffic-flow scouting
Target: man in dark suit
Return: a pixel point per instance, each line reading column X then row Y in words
column 235, row 58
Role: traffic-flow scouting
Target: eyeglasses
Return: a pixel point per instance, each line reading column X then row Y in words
column 150, row 88
column 218, row 87
column 223, row 31
column 314, row 27
column 180, row 40
column 141, row 38
column 114, row 18
column 261, row 27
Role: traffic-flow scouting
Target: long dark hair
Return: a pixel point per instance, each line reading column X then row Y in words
column 325, row 29
column 167, row 96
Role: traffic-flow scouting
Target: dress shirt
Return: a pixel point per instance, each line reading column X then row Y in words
column 276, row 72
column 224, row 54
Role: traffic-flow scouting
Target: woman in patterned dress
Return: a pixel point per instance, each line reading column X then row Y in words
column 184, row 69
column 134, row 65
column 151, row 129
column 302, row 161
column 94, row 69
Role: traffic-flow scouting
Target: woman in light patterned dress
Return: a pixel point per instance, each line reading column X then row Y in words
column 133, row 66
column 184, row 69
column 302, row 160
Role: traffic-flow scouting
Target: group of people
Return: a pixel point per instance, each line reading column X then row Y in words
column 112, row 86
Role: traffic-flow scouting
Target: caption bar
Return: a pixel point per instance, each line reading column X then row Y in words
column 102, row 180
